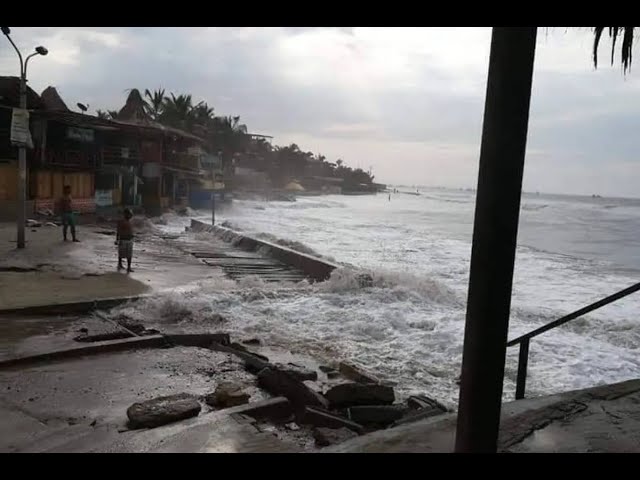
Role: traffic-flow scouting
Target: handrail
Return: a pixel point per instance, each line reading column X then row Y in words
column 523, row 340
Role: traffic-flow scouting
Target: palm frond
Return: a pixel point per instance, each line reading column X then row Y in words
column 625, row 48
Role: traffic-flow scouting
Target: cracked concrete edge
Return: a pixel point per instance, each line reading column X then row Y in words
column 83, row 306
column 519, row 419
column 516, row 428
column 203, row 340
column 109, row 346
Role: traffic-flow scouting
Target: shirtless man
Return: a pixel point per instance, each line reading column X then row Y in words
column 67, row 215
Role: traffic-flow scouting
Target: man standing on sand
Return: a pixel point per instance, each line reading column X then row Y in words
column 65, row 207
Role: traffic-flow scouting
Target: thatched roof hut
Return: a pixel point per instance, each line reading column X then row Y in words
column 134, row 109
column 52, row 100
column 134, row 112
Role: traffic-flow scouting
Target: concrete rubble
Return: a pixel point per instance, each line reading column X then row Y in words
column 227, row 395
column 352, row 394
column 162, row 410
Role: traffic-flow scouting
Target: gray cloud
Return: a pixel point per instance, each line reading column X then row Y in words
column 364, row 95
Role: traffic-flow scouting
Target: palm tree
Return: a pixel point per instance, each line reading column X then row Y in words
column 202, row 114
column 176, row 111
column 154, row 102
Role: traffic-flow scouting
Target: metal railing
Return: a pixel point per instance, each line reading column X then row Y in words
column 523, row 341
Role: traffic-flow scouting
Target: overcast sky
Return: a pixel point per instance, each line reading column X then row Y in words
column 407, row 102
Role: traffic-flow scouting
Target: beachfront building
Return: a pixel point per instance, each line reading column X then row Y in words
column 170, row 158
column 99, row 158
column 10, row 98
column 109, row 163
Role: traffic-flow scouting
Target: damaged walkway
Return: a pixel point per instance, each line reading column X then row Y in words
column 51, row 272
column 58, row 407
column 603, row 419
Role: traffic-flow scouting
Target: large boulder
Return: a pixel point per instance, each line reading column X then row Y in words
column 162, row 410
column 282, row 383
column 227, row 395
column 353, row 394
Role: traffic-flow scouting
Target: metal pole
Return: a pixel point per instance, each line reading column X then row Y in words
column 22, row 172
column 523, row 360
column 502, row 153
column 213, row 207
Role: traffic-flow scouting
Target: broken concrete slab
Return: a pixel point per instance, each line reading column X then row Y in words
column 416, row 415
column 274, row 409
column 382, row 415
column 162, row 410
column 227, row 395
column 151, row 341
column 298, row 372
column 198, row 339
column 253, row 363
column 319, row 417
column 419, row 402
column 331, row 436
column 101, row 337
column 357, row 374
column 68, row 308
column 239, row 346
column 353, row 394
column 282, row 383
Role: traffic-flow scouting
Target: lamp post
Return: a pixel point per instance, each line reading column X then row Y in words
column 22, row 149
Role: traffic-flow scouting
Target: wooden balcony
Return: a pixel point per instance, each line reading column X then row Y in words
column 117, row 155
column 182, row 160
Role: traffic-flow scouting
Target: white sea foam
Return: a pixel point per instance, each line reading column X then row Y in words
column 407, row 323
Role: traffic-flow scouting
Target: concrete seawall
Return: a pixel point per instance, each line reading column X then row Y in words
column 315, row 268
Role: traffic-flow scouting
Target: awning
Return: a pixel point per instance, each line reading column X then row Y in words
column 192, row 173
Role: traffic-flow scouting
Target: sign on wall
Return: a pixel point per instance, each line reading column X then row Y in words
column 84, row 135
column 104, row 198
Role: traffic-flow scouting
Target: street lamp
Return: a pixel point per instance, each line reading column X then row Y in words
column 22, row 149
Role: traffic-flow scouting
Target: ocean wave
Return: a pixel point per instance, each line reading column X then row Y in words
column 528, row 207
column 448, row 200
column 304, row 205
column 292, row 244
column 394, row 285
